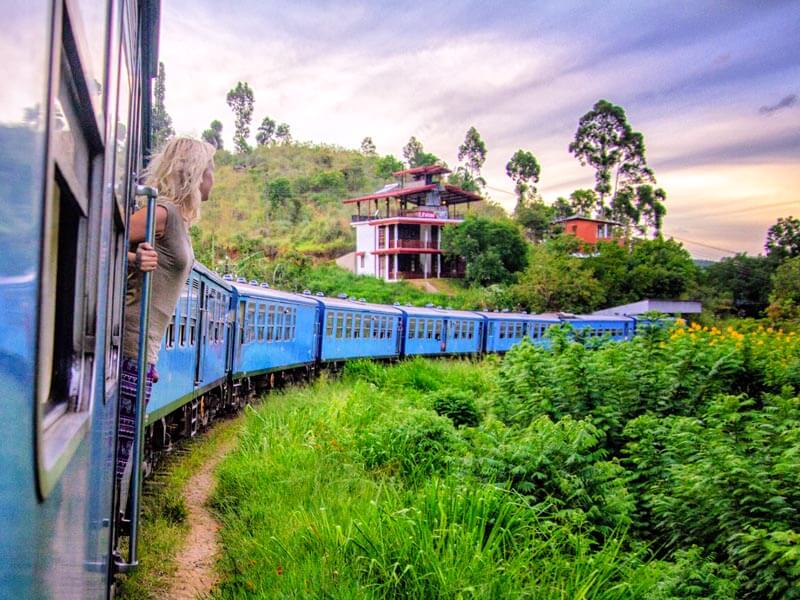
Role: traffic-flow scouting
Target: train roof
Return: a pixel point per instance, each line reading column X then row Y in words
column 257, row 291
column 568, row 317
column 347, row 304
column 511, row 316
column 215, row 277
column 433, row 311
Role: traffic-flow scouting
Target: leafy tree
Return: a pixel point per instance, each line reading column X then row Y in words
column 281, row 199
column 473, row 151
column 744, row 281
column 534, row 216
column 660, row 268
column 524, row 171
column 557, row 281
column 213, row 135
column 411, row 150
column 368, row 146
column 161, row 122
column 785, row 296
column 283, row 134
column 783, row 239
column 266, row 132
column 240, row 99
column 609, row 264
column 493, row 249
column 605, row 141
column 562, row 208
column 583, row 202
column 387, row 165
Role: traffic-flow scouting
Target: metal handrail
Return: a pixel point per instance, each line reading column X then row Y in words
column 141, row 387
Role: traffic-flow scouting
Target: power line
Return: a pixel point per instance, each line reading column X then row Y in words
column 741, row 210
column 703, row 245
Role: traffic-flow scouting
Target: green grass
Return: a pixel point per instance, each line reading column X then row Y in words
column 163, row 525
column 330, row 495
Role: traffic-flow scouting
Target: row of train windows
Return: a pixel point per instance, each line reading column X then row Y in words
column 614, row 332
column 268, row 323
column 186, row 314
column 518, row 330
column 424, row 329
column 464, row 330
column 349, row 325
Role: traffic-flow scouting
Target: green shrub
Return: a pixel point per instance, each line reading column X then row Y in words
column 459, row 407
column 413, row 444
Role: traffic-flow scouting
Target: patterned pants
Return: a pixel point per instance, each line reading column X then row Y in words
column 127, row 418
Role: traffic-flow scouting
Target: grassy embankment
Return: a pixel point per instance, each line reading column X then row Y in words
column 163, row 526
column 661, row 468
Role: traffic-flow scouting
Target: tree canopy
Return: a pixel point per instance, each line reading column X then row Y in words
column 240, row 99
column 266, row 131
column 524, row 170
column 783, row 239
column 283, row 133
column 605, row 141
column 473, row 153
column 368, row 146
column 161, row 122
column 493, row 249
column 213, row 135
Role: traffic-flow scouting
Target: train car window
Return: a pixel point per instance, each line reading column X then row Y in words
column 348, row 325
column 339, row 325
column 502, row 330
column 412, row 324
column 169, row 338
column 242, row 312
column 251, row 322
column 357, row 325
column 386, row 326
column 262, row 317
column 472, row 330
column 329, row 324
column 278, row 322
column 491, row 329
column 438, row 329
column 287, row 323
column 271, row 322
column 520, row 330
column 184, row 302
column 294, row 323
column 194, row 310
column 456, row 329
column 429, row 329
column 420, row 328
column 367, row 326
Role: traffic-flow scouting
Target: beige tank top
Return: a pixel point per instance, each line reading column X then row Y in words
column 175, row 259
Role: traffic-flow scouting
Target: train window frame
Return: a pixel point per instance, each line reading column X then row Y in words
column 66, row 356
column 278, row 337
column 411, row 328
column 250, row 320
column 194, row 311
column 261, row 320
column 184, row 315
column 287, row 324
column 348, row 325
column 329, row 323
column 339, row 325
column 357, row 326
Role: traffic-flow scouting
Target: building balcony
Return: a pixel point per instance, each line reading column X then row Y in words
column 420, row 215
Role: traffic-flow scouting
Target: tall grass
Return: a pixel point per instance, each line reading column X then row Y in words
column 311, row 509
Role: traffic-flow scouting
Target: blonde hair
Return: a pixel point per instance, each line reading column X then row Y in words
column 177, row 171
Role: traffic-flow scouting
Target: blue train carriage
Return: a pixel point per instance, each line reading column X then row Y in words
column 431, row 331
column 357, row 329
column 276, row 332
column 192, row 362
column 71, row 135
column 617, row 328
column 506, row 329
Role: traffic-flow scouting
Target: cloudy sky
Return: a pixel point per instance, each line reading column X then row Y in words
column 713, row 86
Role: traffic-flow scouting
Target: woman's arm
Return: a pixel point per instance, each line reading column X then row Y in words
column 139, row 224
column 145, row 258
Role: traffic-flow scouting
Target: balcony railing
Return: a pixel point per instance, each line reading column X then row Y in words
column 417, row 213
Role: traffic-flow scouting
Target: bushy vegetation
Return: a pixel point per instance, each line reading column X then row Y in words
column 659, row 468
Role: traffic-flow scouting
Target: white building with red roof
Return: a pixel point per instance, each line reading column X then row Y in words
column 398, row 228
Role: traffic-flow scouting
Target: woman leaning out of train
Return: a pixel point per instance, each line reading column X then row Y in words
column 183, row 174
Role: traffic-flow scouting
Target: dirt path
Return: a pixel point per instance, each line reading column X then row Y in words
column 196, row 574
